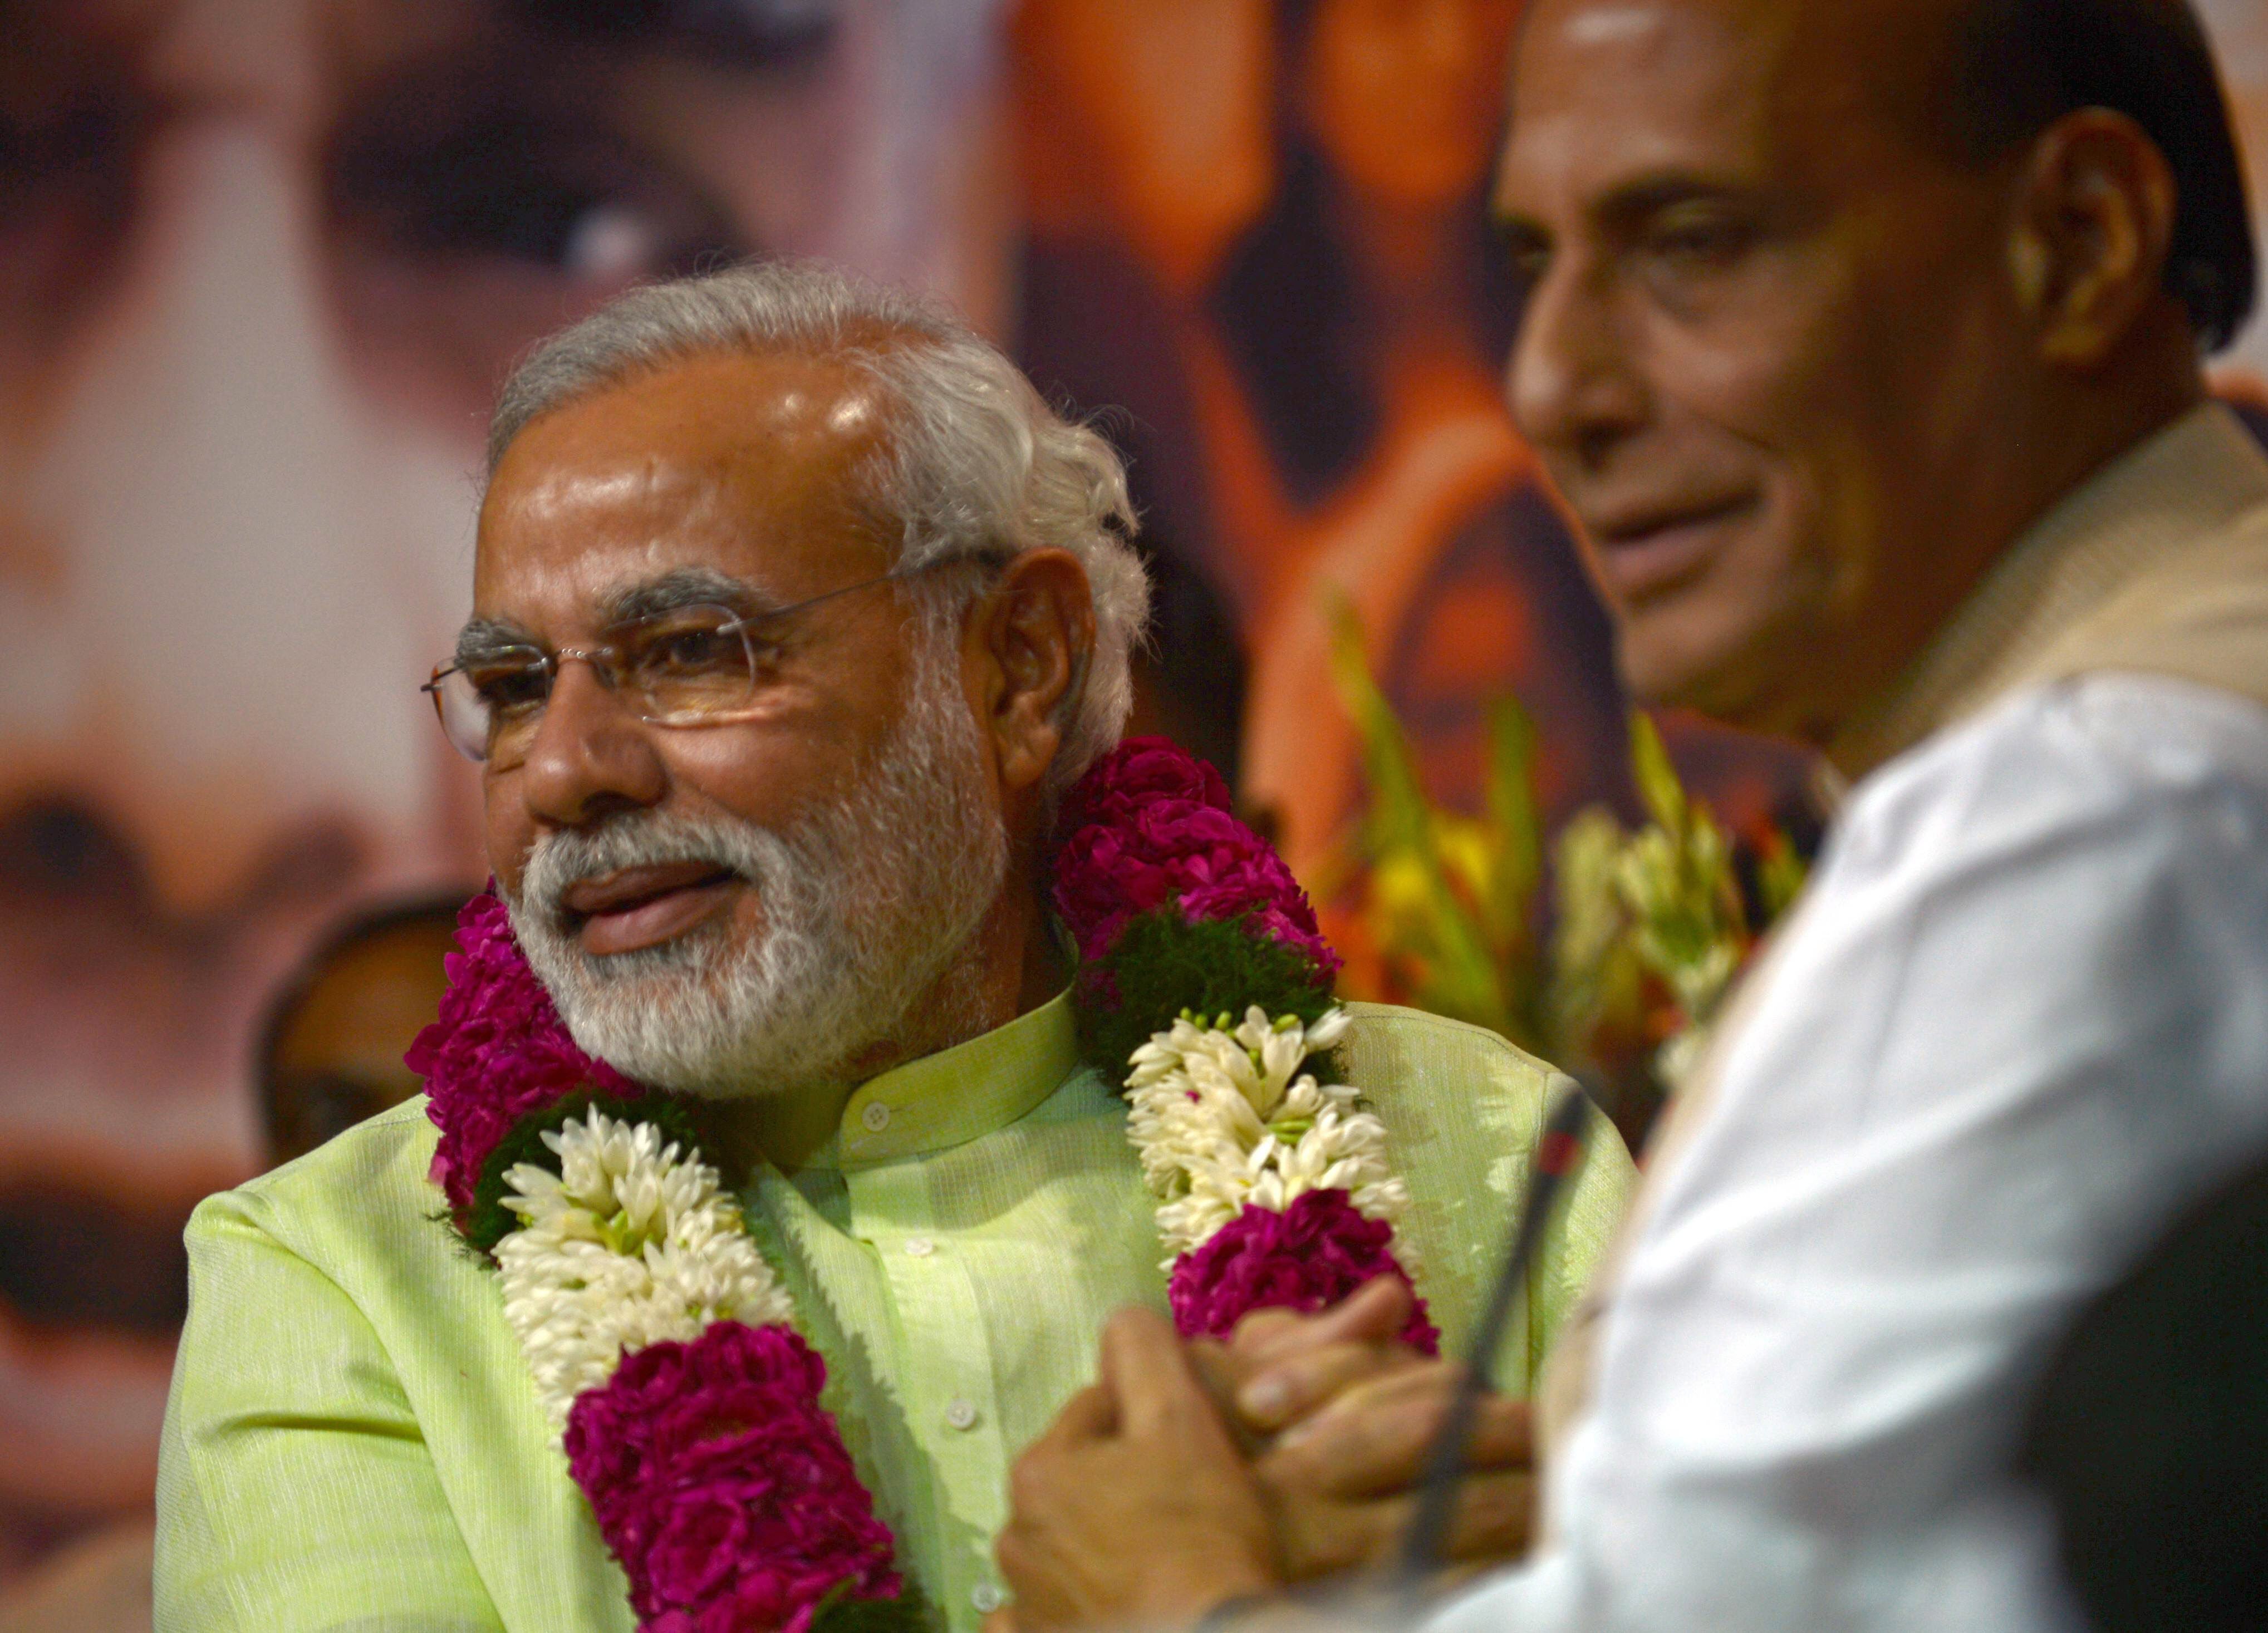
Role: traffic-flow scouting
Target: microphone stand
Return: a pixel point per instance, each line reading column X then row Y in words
column 1423, row 1546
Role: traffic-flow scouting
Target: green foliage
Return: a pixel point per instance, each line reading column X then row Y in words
column 1648, row 927
column 1781, row 875
column 1596, row 974
column 907, row 1613
column 1658, row 784
column 489, row 1221
column 1453, row 897
column 1668, row 894
column 1163, row 964
column 1512, row 812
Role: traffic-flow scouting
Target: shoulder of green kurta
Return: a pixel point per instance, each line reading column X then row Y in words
column 1453, row 1093
column 1411, row 1050
column 1462, row 1033
column 1462, row 1105
column 1463, row 1109
column 368, row 1184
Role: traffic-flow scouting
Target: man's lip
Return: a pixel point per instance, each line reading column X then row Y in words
column 1645, row 552
column 627, row 887
column 644, row 907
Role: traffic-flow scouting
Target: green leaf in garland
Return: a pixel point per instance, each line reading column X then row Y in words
column 489, row 1221
column 1162, row 964
column 907, row 1613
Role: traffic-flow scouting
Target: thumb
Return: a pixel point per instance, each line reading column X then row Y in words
column 1151, row 1379
column 1090, row 1414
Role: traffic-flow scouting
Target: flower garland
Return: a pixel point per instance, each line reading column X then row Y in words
column 661, row 1343
column 1204, row 986
column 658, row 1337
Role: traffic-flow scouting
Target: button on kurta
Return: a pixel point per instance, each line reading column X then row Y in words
column 876, row 1116
column 961, row 1414
column 987, row 1597
column 920, row 1248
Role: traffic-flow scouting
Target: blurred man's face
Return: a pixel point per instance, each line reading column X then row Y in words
column 1406, row 98
column 1768, row 332
column 262, row 265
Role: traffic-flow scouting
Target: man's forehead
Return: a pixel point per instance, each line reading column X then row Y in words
column 747, row 465
column 1632, row 85
column 728, row 409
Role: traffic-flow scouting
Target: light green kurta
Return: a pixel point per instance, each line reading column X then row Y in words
column 353, row 1442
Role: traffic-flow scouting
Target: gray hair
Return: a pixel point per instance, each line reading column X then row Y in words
column 977, row 467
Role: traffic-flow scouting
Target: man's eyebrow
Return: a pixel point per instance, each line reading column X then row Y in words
column 682, row 587
column 1635, row 203
column 483, row 640
column 1625, row 206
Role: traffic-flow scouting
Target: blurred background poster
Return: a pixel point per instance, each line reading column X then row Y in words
column 262, row 264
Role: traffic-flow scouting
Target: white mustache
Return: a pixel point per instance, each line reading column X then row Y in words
column 560, row 861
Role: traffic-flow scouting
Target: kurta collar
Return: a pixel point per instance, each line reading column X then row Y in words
column 959, row 1095
column 2196, row 475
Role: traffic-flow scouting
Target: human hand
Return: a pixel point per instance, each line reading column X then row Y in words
column 1338, row 1417
column 1279, row 1367
column 1341, row 1485
column 1134, row 1509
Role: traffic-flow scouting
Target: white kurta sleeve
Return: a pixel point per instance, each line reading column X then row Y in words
column 2021, row 1019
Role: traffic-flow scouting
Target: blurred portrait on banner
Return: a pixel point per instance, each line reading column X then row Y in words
column 262, row 265
column 263, row 262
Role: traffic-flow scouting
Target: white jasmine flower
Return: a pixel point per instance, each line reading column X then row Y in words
column 629, row 1245
column 1221, row 1123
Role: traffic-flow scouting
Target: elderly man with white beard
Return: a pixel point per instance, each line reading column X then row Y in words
column 798, row 617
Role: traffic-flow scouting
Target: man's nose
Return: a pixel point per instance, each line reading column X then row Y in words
column 249, row 579
column 1574, row 383
column 591, row 755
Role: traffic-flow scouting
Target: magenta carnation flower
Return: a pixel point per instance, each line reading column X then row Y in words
column 1139, row 770
column 1151, row 825
column 498, row 1052
column 1311, row 1256
column 723, row 1488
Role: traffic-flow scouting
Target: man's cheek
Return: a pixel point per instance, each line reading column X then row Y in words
column 1686, row 647
column 509, row 838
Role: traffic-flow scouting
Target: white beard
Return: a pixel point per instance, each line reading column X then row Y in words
column 870, row 905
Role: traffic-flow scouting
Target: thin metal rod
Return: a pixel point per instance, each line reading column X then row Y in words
column 1424, row 1543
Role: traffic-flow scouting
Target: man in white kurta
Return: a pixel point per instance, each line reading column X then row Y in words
column 1878, row 396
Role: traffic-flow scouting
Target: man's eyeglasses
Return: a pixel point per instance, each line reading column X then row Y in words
column 701, row 665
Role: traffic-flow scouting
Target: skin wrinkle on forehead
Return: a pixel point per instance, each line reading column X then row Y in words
column 723, row 451
column 1552, row 119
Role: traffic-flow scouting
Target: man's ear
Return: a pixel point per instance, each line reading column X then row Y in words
column 2094, row 225
column 1029, row 644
